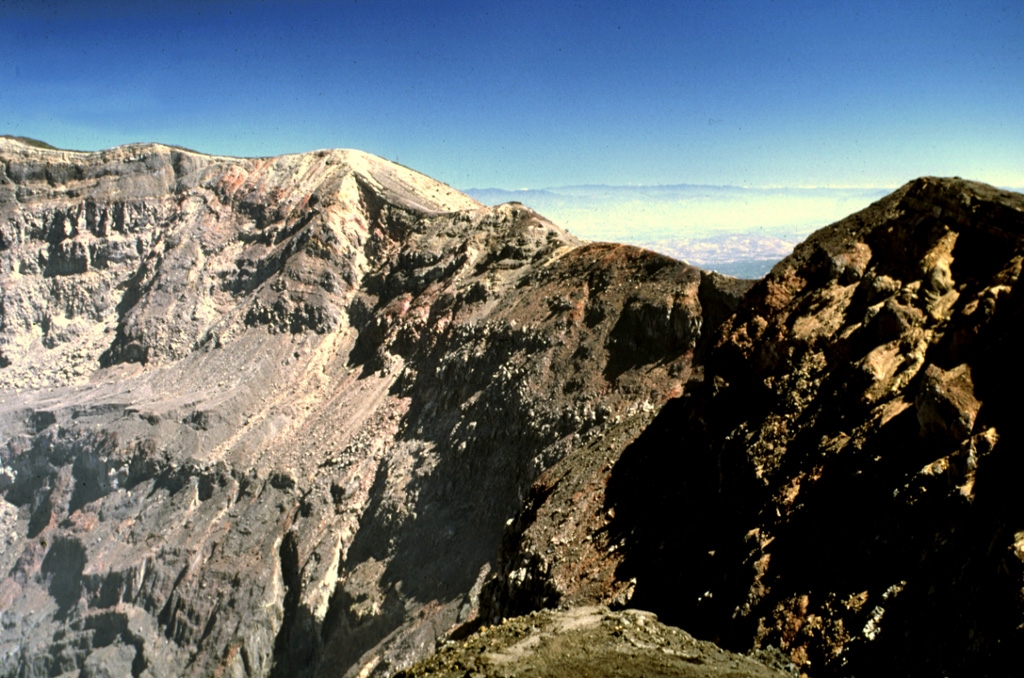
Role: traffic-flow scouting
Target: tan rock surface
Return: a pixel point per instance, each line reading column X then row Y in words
column 844, row 482
column 320, row 415
column 270, row 416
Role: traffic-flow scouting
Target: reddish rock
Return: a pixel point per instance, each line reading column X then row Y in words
column 842, row 483
column 272, row 415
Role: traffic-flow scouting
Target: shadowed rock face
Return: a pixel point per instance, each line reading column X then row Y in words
column 314, row 415
column 270, row 416
column 843, row 483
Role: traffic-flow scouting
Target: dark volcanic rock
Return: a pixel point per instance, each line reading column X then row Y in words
column 560, row 549
column 271, row 416
column 843, row 482
column 322, row 415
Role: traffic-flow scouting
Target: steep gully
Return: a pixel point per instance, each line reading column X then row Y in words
column 313, row 415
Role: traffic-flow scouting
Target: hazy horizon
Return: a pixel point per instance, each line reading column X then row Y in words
column 739, row 231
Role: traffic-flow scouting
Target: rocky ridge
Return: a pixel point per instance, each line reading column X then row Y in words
column 322, row 415
column 842, row 481
column 590, row 641
column 271, row 416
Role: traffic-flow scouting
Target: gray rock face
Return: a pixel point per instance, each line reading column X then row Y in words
column 270, row 416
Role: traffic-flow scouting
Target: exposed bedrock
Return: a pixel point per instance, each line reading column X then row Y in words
column 271, row 416
column 843, row 482
column 321, row 415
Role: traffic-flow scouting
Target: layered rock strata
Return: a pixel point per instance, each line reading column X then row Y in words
column 271, row 416
column 321, row 415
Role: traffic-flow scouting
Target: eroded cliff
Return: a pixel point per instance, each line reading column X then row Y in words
column 271, row 416
column 843, row 482
column 322, row 415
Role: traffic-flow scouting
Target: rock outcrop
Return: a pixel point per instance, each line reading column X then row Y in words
column 271, row 416
column 593, row 642
column 843, row 481
column 321, row 415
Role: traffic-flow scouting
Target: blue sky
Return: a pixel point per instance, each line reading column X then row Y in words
column 533, row 94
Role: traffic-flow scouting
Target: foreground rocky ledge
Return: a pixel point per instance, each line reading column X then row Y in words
column 594, row 642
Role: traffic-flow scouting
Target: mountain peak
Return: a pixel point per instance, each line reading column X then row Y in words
column 839, row 484
column 277, row 411
column 320, row 414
